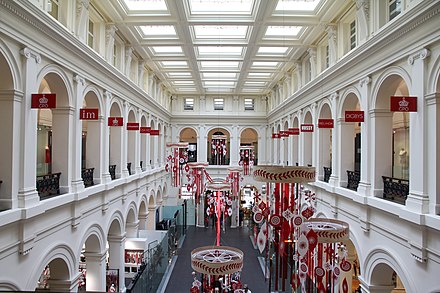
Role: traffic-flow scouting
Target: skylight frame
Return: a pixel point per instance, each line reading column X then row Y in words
column 273, row 51
column 197, row 7
column 219, row 75
column 146, row 5
column 220, row 65
column 218, row 32
column 283, row 32
column 226, row 51
column 297, row 5
column 158, row 32
column 162, row 50
column 165, row 64
column 179, row 74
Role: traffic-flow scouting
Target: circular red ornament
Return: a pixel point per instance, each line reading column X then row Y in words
column 258, row 217
column 346, row 266
column 275, row 220
column 297, row 221
column 319, row 271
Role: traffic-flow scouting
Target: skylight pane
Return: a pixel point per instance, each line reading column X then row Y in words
column 183, row 82
column 179, row 74
column 220, row 31
column 174, row 63
column 219, row 75
column 219, row 83
column 158, row 30
column 219, row 6
column 208, row 50
column 156, row 5
column 302, row 5
column 187, row 89
column 259, row 74
column 167, row 49
column 282, row 31
column 264, row 64
column 219, row 64
column 272, row 50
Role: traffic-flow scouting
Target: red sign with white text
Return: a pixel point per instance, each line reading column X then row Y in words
column 115, row 121
column 276, row 135
column 44, row 101
column 354, row 116
column 284, row 133
column 294, row 131
column 88, row 114
column 403, row 104
column 154, row 132
column 325, row 123
column 132, row 126
column 306, row 127
column 145, row 130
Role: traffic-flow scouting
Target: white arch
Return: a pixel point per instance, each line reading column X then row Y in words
column 347, row 92
column 96, row 230
column 6, row 285
column 248, row 127
column 117, row 215
column 389, row 71
column 13, row 65
column 219, row 127
column 97, row 91
column 58, row 70
column 132, row 206
column 117, row 101
column 321, row 105
column 58, row 251
column 434, row 77
column 381, row 256
column 135, row 113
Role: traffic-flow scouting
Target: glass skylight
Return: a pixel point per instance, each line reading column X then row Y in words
column 219, row 64
column 265, row 64
column 221, row 6
column 216, row 50
column 174, row 63
column 259, row 74
column 301, row 5
column 219, row 83
column 167, row 49
column 179, row 74
column 187, row 89
column 183, row 82
column 272, row 50
column 165, row 31
column 218, row 75
column 220, row 31
column 255, row 83
column 282, row 31
column 156, row 5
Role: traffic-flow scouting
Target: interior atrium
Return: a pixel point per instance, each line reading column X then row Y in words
column 295, row 141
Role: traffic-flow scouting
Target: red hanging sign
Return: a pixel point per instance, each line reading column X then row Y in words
column 354, row 116
column 154, row 132
column 306, row 127
column 115, row 121
column 276, row 135
column 294, row 131
column 44, row 101
column 88, row 114
column 284, row 133
column 403, row 104
column 132, row 126
column 325, row 123
column 145, row 130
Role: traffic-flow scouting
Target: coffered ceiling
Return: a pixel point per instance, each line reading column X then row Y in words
column 227, row 47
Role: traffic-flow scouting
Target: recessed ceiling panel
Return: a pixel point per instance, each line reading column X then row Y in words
column 158, row 31
column 221, row 6
column 147, row 5
column 220, row 31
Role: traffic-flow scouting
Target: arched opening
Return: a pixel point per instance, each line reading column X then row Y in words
column 115, row 143
column 92, row 124
column 7, row 109
column 391, row 142
column 307, row 137
column 55, row 277
column 153, row 147
column 142, row 216
column 295, row 142
column 350, row 145
column 151, row 218
column 115, row 278
column 248, row 150
column 92, row 265
column 325, row 130
column 190, row 135
column 352, row 276
column 131, row 225
column 53, row 140
column 219, row 146
column 143, row 159
column 385, row 277
column 131, row 145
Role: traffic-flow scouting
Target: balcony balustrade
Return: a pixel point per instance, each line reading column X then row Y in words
column 327, row 173
column 87, row 176
column 353, row 179
column 395, row 189
column 48, row 185
column 112, row 171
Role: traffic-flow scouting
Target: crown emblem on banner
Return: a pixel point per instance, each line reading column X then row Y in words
column 115, row 122
column 403, row 103
column 43, row 100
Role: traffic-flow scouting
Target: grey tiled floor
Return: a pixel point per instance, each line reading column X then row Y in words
column 181, row 278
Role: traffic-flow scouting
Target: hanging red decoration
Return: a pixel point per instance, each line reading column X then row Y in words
column 175, row 160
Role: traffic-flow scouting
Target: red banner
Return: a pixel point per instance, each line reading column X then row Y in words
column 284, row 133
column 354, row 116
column 154, row 132
column 115, row 121
column 276, row 135
column 306, row 127
column 132, row 126
column 145, row 130
column 44, row 101
column 403, row 104
column 293, row 131
column 88, row 114
column 325, row 123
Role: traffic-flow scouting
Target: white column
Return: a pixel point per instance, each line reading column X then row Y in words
column 202, row 144
column 76, row 147
column 156, row 149
column 110, row 30
column 234, row 146
column 151, row 218
column 345, row 153
column 95, row 148
column 314, row 135
column 262, row 145
column 332, row 43
column 147, row 162
column 132, row 229
column 27, row 194
column 105, row 139
column 137, row 148
column 298, row 72
column 141, row 71
column 82, row 17
column 116, row 250
column 433, row 151
column 334, row 177
column 312, row 60
column 128, row 57
column 418, row 200
column 96, row 266
column 362, row 20
column 300, row 140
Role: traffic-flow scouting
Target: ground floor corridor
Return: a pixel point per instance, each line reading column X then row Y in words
column 252, row 274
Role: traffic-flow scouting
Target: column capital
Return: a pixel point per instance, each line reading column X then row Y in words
column 107, row 94
column 364, row 81
column 28, row 53
column 362, row 5
column 79, row 79
column 422, row 54
column 334, row 96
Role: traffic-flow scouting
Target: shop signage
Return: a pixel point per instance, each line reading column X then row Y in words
column 145, row 130
column 354, row 116
column 115, row 121
column 325, row 123
column 284, row 133
column 306, row 127
column 132, row 126
column 154, row 132
column 44, row 101
column 294, row 131
column 276, row 135
column 403, row 104
column 88, row 114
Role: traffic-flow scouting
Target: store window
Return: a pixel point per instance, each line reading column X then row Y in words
column 219, row 103
column 394, row 8
column 188, row 104
column 249, row 104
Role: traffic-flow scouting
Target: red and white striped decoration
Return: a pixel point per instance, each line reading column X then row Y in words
column 177, row 157
column 247, row 158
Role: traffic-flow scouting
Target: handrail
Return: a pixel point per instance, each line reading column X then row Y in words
column 87, row 176
column 48, row 185
column 395, row 189
column 112, row 171
column 327, row 173
column 353, row 179
column 129, row 168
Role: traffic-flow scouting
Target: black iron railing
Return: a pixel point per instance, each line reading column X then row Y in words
column 112, row 171
column 353, row 179
column 48, row 185
column 141, row 163
column 395, row 189
column 129, row 168
column 87, row 176
column 327, row 173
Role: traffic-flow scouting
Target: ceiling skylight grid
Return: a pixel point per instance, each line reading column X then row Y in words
column 221, row 6
column 158, row 31
column 146, row 5
column 219, row 32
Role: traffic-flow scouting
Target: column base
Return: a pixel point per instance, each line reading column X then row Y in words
column 364, row 188
column 418, row 203
column 28, row 198
column 333, row 181
column 106, row 178
column 77, row 186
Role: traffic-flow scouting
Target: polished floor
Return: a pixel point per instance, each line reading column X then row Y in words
column 252, row 273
